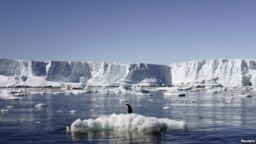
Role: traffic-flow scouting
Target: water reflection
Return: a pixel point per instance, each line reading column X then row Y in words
column 117, row 137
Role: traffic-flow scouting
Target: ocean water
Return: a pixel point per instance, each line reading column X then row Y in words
column 210, row 118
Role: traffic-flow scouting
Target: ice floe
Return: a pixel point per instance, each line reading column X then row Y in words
column 5, row 94
column 40, row 105
column 127, row 122
column 72, row 111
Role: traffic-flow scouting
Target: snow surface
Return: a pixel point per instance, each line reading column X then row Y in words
column 126, row 122
column 225, row 72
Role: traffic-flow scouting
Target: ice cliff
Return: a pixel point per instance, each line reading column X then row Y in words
column 56, row 73
column 227, row 72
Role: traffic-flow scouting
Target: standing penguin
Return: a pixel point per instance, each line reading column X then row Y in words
column 129, row 108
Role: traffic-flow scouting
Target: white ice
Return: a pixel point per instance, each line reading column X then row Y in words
column 212, row 73
column 40, row 105
column 127, row 123
column 5, row 94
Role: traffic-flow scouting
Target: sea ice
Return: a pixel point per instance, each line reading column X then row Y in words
column 72, row 111
column 127, row 122
column 245, row 95
column 4, row 110
column 40, row 105
column 5, row 94
column 166, row 107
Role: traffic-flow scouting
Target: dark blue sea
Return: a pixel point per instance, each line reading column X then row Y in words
column 210, row 118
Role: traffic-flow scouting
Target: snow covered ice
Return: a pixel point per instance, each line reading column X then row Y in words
column 126, row 123
column 225, row 72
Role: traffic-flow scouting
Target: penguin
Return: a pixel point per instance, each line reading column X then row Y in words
column 129, row 108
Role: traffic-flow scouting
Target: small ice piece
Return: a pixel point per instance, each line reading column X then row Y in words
column 228, row 99
column 151, row 100
column 245, row 95
column 58, row 111
column 212, row 91
column 13, row 98
column 72, row 111
column 40, row 105
column 9, row 107
column 166, row 107
column 4, row 110
column 92, row 110
column 122, row 100
column 67, row 129
column 174, row 94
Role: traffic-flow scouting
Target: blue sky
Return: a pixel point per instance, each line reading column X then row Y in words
column 131, row 31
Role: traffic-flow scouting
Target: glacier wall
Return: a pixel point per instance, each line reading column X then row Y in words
column 159, row 74
column 41, row 73
column 228, row 72
column 64, row 71
column 107, row 73
column 9, row 67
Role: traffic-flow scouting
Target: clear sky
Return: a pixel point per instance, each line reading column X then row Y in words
column 127, row 31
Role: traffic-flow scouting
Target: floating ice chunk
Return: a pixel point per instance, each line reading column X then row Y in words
column 185, row 88
column 40, row 105
column 166, row 107
column 171, row 89
column 122, row 100
column 8, row 96
column 245, row 95
column 210, row 91
column 19, row 92
column 9, row 107
column 127, row 122
column 4, row 110
column 67, row 129
column 151, row 100
column 72, row 111
column 142, row 94
column 174, row 94
column 92, row 110
column 228, row 99
column 13, row 98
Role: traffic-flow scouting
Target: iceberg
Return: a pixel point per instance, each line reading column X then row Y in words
column 18, row 73
column 126, row 123
column 227, row 72
column 202, row 73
